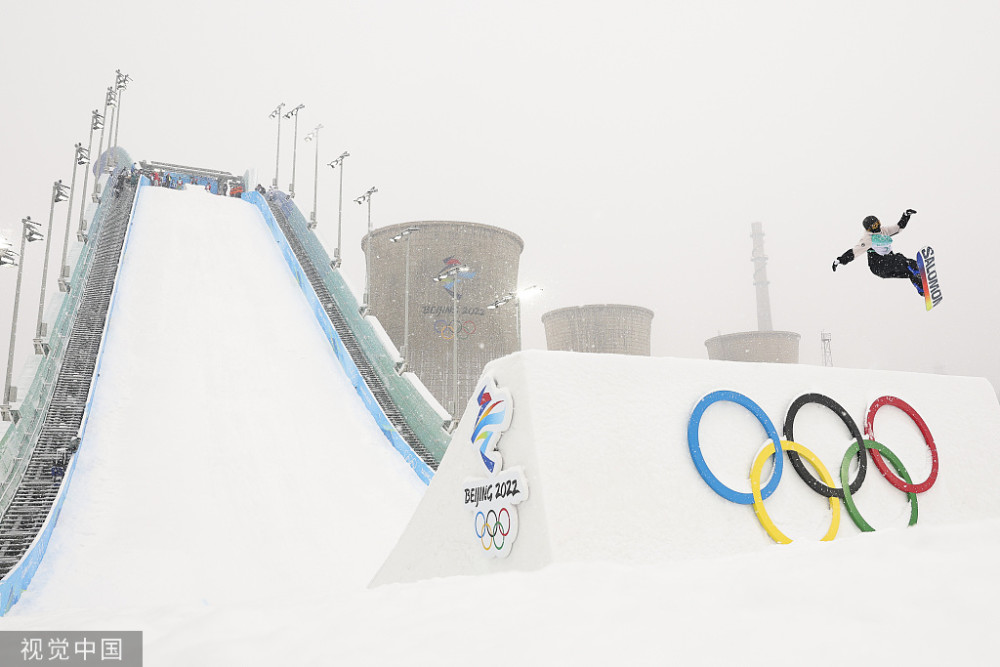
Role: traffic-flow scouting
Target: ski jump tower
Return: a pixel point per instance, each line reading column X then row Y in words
column 765, row 344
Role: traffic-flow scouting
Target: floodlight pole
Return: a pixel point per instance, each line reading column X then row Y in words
column 453, row 272
column 58, row 194
column 109, row 164
column 516, row 298
column 339, row 162
column 109, row 100
column 295, row 139
column 406, row 296
column 96, row 123
column 454, row 347
column 314, row 136
column 406, row 304
column 29, row 232
column 367, row 197
column 277, row 153
column 79, row 157
column 121, row 81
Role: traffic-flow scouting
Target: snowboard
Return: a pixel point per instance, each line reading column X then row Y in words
column 929, row 277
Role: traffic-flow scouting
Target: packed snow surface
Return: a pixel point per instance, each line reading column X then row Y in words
column 233, row 499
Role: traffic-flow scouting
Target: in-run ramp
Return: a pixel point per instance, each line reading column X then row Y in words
column 226, row 453
column 47, row 422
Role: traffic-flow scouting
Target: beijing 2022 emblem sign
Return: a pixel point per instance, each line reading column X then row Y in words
column 492, row 499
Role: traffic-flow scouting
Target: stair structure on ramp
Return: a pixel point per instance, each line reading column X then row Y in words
column 50, row 421
column 413, row 427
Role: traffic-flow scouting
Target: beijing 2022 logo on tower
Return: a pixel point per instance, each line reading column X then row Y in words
column 492, row 499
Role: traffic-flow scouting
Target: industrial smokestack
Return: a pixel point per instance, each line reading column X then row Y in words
column 759, row 260
column 765, row 344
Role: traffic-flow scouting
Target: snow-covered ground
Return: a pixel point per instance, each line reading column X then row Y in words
column 233, row 500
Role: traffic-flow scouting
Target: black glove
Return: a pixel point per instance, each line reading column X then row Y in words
column 844, row 259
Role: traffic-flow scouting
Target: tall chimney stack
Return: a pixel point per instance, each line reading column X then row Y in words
column 759, row 260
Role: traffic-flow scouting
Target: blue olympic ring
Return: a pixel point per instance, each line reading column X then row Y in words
column 699, row 459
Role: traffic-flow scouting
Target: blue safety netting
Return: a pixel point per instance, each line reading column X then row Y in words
column 423, row 420
column 19, row 441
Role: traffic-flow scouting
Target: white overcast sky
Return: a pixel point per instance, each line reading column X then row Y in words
column 630, row 144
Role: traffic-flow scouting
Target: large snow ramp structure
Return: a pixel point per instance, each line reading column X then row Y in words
column 402, row 411
column 220, row 415
column 605, row 457
column 36, row 449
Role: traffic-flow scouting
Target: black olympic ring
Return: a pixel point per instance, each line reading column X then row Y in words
column 796, row 460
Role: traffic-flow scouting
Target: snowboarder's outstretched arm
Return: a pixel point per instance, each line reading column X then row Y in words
column 844, row 259
column 866, row 241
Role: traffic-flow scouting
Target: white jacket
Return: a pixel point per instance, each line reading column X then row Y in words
column 880, row 242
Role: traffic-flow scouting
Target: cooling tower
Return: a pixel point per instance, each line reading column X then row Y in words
column 773, row 346
column 483, row 261
column 609, row 329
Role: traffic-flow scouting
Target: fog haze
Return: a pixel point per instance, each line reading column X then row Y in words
column 631, row 145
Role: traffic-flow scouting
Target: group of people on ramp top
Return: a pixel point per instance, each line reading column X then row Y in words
column 176, row 181
column 127, row 174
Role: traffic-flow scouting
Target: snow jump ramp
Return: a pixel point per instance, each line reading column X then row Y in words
column 596, row 457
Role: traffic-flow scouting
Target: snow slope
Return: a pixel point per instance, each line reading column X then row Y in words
column 233, row 500
column 224, row 444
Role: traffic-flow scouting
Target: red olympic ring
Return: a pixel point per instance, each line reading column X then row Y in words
column 891, row 477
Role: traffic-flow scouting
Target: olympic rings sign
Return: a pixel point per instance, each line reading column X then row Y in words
column 447, row 329
column 492, row 528
column 862, row 447
column 492, row 500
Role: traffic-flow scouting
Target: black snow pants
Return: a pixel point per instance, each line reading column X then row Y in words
column 893, row 265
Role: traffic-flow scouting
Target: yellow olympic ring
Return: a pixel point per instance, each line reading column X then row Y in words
column 758, row 502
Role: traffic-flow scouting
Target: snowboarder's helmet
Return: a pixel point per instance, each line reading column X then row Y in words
column 871, row 223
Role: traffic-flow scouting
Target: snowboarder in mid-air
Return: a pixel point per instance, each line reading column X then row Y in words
column 877, row 244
